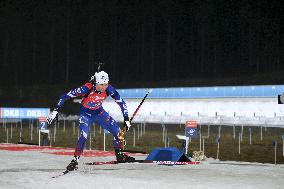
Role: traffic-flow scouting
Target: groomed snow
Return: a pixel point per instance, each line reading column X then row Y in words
column 34, row 169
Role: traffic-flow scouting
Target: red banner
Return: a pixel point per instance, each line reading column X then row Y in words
column 42, row 119
column 191, row 124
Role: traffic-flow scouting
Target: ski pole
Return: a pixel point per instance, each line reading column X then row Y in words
column 123, row 132
column 135, row 112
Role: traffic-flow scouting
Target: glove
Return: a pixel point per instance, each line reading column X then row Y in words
column 52, row 116
column 126, row 124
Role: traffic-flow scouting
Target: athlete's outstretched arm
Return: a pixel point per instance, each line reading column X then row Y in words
column 115, row 95
column 80, row 91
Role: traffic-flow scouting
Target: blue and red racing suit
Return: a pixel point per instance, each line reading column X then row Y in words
column 91, row 110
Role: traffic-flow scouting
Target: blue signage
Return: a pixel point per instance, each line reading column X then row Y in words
column 191, row 128
column 42, row 123
column 206, row 92
column 24, row 113
column 191, row 132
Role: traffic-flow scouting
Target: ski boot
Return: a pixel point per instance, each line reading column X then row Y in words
column 123, row 158
column 73, row 165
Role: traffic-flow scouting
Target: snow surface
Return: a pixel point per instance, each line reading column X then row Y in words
column 34, row 169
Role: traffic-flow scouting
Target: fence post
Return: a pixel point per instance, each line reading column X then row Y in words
column 31, row 125
column 203, row 146
column 141, row 129
column 180, row 120
column 11, row 130
column 200, row 127
column 249, row 136
column 104, row 141
column 283, row 145
column 234, row 131
column 7, row 141
column 37, row 126
column 187, row 140
column 50, row 138
column 78, row 133
column 218, row 147
column 166, row 137
column 138, row 135
column 133, row 137
column 94, row 129
column 54, row 132
column 21, row 131
column 208, row 133
column 163, row 126
column 64, row 125
column 239, row 143
column 242, row 133
column 261, row 133
column 274, row 143
column 90, row 148
column 39, row 138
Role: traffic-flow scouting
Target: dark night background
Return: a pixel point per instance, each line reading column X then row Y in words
column 54, row 44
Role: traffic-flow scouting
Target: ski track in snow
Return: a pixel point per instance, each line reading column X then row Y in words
column 33, row 169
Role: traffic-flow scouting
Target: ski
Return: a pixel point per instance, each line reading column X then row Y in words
column 144, row 161
column 134, row 151
column 61, row 174
column 115, row 162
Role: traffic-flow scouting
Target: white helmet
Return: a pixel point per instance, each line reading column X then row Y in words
column 101, row 77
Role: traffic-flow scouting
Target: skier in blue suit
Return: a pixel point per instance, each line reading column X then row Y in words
column 91, row 110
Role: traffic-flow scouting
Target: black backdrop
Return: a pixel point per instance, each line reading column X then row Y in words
column 141, row 41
